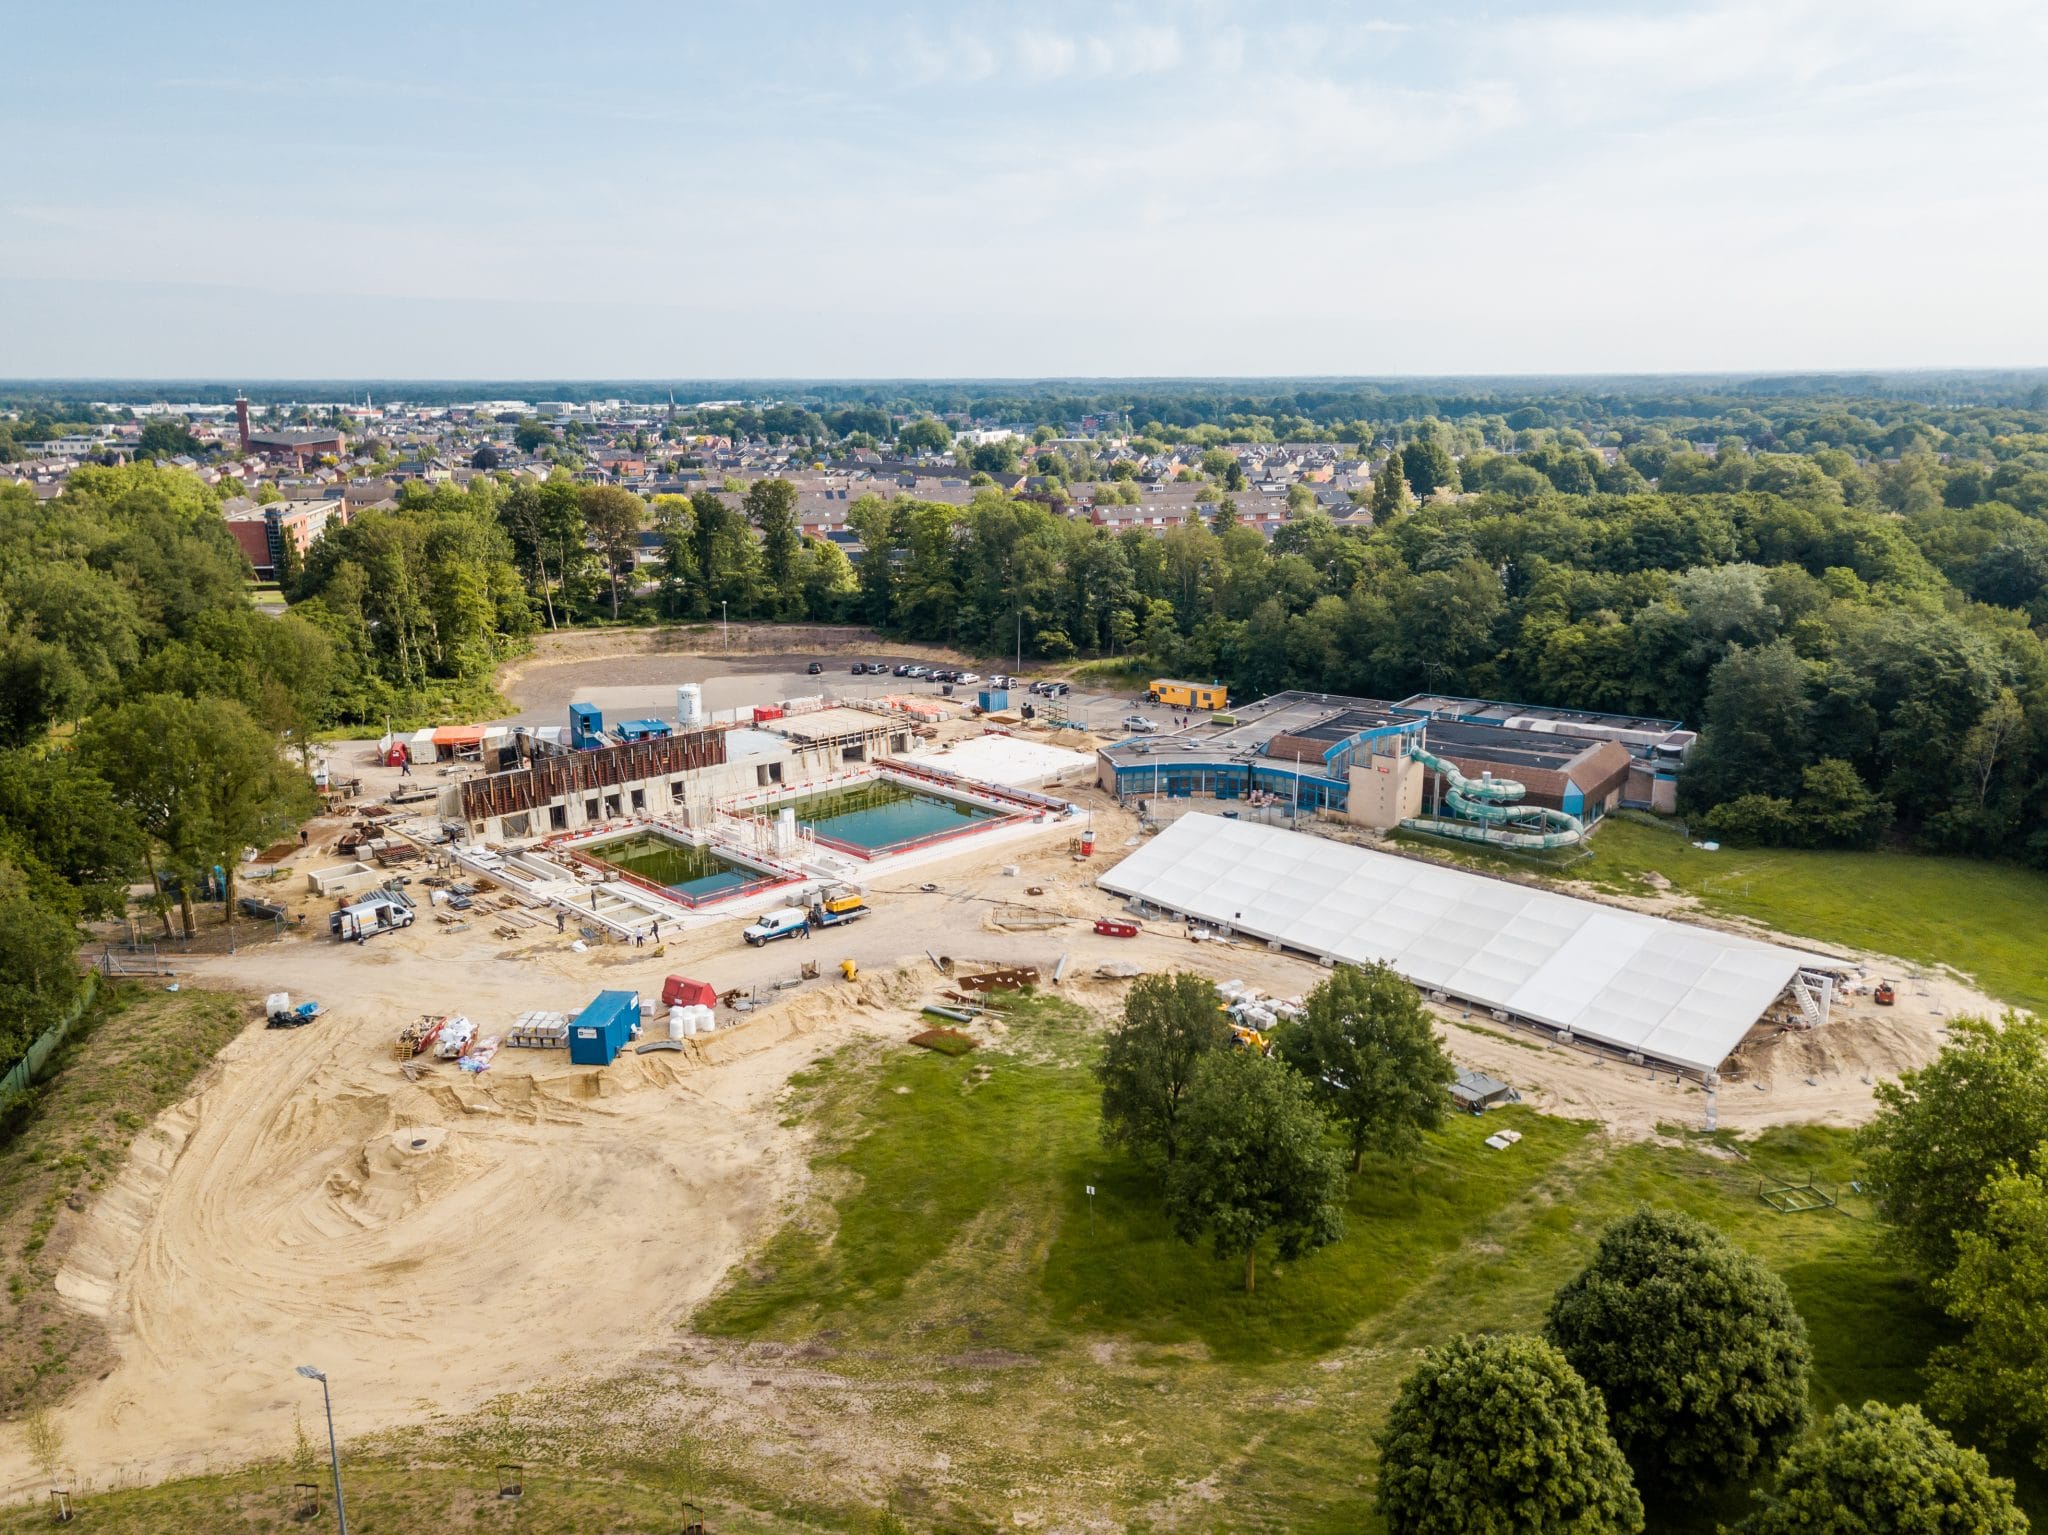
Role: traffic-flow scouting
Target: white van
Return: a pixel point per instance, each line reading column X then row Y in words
column 365, row 919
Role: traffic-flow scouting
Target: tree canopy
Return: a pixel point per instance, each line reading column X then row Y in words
column 1147, row 1067
column 1998, row 1375
column 1944, row 1130
column 1694, row 1346
column 1498, row 1435
column 1366, row 1047
column 201, row 777
column 1254, row 1160
column 1877, row 1467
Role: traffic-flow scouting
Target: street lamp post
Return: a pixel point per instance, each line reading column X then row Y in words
column 333, row 1452
column 724, row 627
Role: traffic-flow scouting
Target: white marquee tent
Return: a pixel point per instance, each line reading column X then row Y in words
column 1681, row 994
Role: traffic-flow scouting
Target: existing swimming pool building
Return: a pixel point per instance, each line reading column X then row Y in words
column 1429, row 758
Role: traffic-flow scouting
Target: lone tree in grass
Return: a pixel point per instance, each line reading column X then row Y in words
column 1254, row 1158
column 1365, row 1045
column 1499, row 1436
column 1874, row 1468
column 1148, row 1063
column 1694, row 1346
column 1943, row 1131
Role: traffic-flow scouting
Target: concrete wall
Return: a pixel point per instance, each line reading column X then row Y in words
column 1385, row 791
column 685, row 797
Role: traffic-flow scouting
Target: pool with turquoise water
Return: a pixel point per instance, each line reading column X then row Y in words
column 881, row 816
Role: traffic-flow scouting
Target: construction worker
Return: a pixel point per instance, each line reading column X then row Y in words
column 405, row 762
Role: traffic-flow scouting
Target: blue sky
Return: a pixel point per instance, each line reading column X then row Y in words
column 949, row 190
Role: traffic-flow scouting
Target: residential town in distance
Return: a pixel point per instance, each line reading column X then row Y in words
column 319, row 462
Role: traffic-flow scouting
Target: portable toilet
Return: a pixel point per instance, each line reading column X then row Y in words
column 601, row 1030
column 586, row 726
column 994, row 700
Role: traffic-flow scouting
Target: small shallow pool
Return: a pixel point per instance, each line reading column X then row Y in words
column 874, row 819
column 691, row 873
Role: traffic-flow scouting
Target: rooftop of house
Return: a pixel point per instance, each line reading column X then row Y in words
column 294, row 437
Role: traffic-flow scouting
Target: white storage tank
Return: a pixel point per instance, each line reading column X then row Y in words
column 676, row 1029
column 689, row 703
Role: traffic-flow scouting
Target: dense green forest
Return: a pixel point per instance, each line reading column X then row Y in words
column 1849, row 602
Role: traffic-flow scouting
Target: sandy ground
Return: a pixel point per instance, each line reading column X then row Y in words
column 435, row 1243
column 633, row 673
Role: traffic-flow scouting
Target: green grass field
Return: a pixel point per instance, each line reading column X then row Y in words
column 1984, row 919
column 1111, row 674
column 1000, row 1347
column 962, row 1230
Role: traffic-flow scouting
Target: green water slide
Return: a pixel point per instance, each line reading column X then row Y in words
column 1488, row 810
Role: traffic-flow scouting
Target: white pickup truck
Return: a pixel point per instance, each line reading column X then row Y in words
column 783, row 922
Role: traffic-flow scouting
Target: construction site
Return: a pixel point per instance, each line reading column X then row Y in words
column 520, row 1057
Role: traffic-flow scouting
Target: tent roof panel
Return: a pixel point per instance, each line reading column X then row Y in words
column 1682, row 994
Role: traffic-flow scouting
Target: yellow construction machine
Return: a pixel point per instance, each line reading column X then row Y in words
column 1244, row 1038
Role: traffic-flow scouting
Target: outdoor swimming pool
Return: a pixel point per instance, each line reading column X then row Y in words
column 691, row 873
column 881, row 816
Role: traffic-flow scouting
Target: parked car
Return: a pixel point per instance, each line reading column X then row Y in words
column 879, row 668
column 859, row 668
column 918, row 673
column 966, row 677
column 1055, row 690
column 816, row 668
column 903, row 668
column 944, row 674
column 1138, row 725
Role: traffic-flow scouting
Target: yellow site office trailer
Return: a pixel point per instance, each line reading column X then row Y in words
column 1190, row 695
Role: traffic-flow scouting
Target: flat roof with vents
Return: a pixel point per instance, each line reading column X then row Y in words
column 1678, row 994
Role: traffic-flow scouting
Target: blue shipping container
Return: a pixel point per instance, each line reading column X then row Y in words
column 586, row 727
column 601, row 1030
column 994, row 700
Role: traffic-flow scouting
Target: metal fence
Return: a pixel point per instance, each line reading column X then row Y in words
column 24, row 1071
